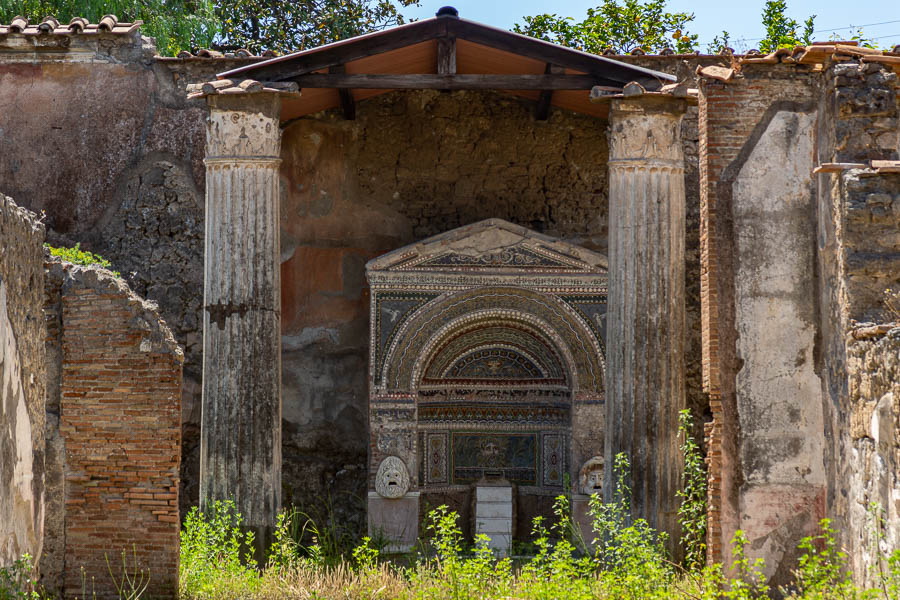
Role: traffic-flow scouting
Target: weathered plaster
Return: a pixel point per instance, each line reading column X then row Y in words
column 20, row 511
column 779, row 393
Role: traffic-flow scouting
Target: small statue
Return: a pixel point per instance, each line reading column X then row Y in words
column 591, row 476
column 392, row 478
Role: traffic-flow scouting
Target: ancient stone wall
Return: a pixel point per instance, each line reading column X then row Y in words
column 22, row 383
column 760, row 312
column 868, row 474
column 858, row 224
column 119, row 431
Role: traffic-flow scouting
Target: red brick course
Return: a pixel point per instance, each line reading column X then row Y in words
column 120, row 418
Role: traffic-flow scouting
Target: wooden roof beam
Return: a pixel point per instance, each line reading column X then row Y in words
column 446, row 55
column 337, row 53
column 454, row 82
column 348, row 104
column 615, row 71
column 542, row 110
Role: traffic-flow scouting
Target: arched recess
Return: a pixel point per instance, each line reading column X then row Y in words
column 546, row 317
column 486, row 360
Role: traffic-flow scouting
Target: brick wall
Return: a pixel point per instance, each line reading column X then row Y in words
column 120, row 421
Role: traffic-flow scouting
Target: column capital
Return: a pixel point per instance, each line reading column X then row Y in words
column 243, row 127
column 646, row 129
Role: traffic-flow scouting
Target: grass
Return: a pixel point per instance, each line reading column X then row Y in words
column 628, row 561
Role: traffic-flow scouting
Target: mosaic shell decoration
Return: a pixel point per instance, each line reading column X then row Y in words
column 392, row 478
column 590, row 480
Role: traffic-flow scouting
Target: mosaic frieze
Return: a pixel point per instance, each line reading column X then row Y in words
column 512, row 455
column 517, row 258
column 496, row 415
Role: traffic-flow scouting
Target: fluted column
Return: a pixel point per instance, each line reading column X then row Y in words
column 646, row 319
column 240, row 452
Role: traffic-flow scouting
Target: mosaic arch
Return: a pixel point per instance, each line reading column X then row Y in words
column 486, row 357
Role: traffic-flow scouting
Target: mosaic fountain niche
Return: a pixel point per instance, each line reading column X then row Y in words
column 486, row 381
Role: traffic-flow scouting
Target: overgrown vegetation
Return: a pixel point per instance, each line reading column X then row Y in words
column 627, row 560
column 77, row 256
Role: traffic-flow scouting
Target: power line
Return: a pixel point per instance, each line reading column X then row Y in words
column 855, row 26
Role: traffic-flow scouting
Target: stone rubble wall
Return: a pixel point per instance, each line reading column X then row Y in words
column 858, row 240
column 22, row 384
column 118, row 436
column 868, row 503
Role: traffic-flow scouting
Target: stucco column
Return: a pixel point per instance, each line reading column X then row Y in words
column 240, row 452
column 646, row 319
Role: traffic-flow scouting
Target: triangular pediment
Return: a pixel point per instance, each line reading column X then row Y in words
column 492, row 245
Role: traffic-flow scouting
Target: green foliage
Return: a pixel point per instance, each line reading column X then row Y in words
column 216, row 555
column 719, row 43
column 822, row 570
column 77, row 256
column 750, row 582
column 781, row 31
column 176, row 24
column 291, row 26
column 618, row 27
column 17, row 581
column 692, row 511
column 631, row 554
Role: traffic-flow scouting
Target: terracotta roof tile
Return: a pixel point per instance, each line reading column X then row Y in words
column 109, row 24
column 246, row 86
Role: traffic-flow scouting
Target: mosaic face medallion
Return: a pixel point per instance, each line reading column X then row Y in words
column 392, row 479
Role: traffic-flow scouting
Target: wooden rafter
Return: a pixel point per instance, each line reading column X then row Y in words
column 542, row 110
column 348, row 105
column 453, row 82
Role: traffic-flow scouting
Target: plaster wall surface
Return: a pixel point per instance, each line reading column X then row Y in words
column 779, row 393
column 22, row 376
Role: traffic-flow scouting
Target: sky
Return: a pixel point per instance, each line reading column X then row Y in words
column 879, row 19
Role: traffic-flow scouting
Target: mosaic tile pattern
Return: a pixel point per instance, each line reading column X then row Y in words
column 492, row 333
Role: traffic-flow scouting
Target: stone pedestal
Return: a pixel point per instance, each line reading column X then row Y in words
column 494, row 516
column 646, row 318
column 395, row 519
column 240, row 453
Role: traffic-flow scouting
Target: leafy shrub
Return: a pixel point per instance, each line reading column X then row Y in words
column 77, row 256
column 692, row 511
column 17, row 581
column 216, row 555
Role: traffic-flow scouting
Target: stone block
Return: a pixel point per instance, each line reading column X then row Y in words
column 397, row 519
column 489, row 510
column 490, row 526
column 493, row 494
